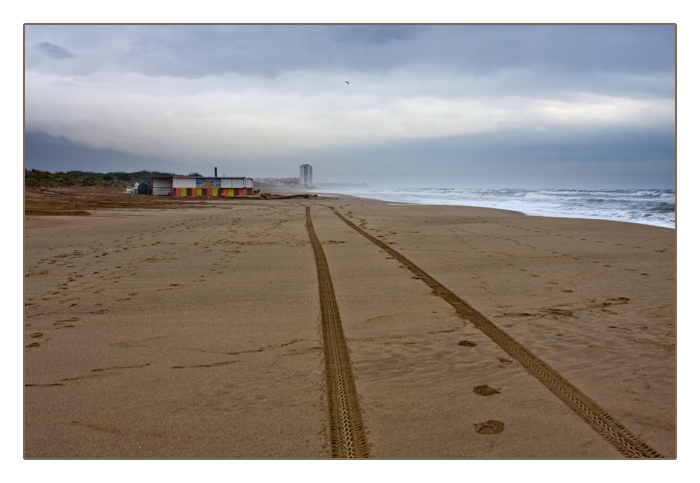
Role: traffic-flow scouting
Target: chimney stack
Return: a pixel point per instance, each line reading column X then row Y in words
column 216, row 175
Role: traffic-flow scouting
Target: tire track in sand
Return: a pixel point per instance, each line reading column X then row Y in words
column 347, row 431
column 587, row 409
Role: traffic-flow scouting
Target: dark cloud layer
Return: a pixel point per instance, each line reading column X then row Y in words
column 197, row 51
column 630, row 159
column 58, row 153
column 55, row 51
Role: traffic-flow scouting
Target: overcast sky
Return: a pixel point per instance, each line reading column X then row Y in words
column 532, row 106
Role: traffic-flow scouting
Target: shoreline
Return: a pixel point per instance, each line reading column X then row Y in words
column 534, row 212
column 193, row 330
column 146, row 201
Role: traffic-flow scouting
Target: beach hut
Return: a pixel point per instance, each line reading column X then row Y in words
column 202, row 186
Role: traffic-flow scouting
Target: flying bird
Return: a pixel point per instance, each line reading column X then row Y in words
column 347, row 82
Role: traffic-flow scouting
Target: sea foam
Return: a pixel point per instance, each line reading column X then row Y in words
column 647, row 206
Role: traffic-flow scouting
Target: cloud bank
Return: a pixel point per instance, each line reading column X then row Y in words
column 593, row 103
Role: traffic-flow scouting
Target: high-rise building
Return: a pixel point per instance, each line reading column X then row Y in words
column 306, row 175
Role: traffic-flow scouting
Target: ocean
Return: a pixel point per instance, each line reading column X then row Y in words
column 647, row 206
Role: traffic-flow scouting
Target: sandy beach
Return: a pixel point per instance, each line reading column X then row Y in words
column 168, row 328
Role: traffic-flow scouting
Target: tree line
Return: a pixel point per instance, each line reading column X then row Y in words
column 35, row 177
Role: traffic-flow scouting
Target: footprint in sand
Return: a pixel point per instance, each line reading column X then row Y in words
column 467, row 343
column 485, row 390
column 504, row 362
column 491, row 426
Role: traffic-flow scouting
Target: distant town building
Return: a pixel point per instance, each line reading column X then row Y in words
column 306, row 175
column 341, row 185
column 201, row 186
column 290, row 182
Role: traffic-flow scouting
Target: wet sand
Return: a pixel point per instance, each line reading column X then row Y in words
column 195, row 331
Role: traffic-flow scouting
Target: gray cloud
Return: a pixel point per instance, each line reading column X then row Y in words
column 55, row 51
column 373, row 34
column 58, row 153
column 187, row 51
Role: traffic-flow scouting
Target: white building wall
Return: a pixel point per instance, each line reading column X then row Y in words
column 233, row 182
column 184, row 182
column 162, row 182
column 192, row 182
